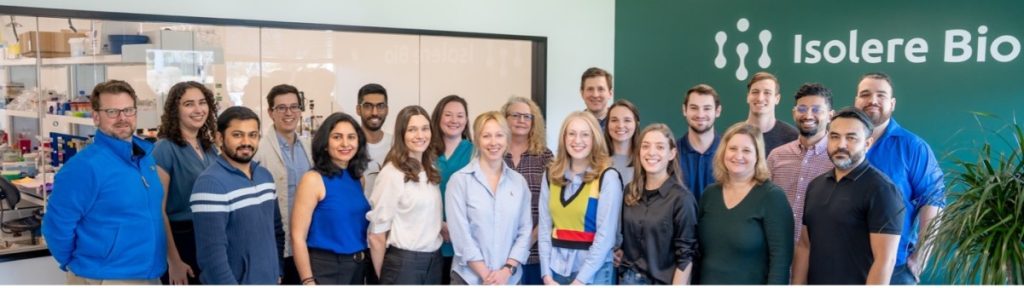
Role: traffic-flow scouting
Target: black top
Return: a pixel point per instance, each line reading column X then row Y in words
column 751, row 243
column 660, row 232
column 839, row 216
column 782, row 133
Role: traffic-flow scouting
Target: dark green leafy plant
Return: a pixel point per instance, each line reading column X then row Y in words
column 981, row 236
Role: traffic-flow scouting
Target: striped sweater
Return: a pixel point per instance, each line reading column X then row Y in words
column 239, row 237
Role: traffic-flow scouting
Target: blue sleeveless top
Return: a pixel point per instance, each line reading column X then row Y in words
column 339, row 221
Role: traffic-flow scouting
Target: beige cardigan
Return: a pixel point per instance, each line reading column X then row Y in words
column 269, row 155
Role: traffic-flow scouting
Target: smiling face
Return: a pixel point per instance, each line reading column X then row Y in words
column 492, row 141
column 596, row 93
column 621, row 124
column 874, row 98
column 656, row 152
column 520, row 119
column 740, row 157
column 578, row 139
column 120, row 125
column 701, row 112
column 343, row 143
column 373, row 111
column 240, row 140
column 193, row 110
column 762, row 97
column 286, row 113
column 811, row 115
column 417, row 135
column 453, row 119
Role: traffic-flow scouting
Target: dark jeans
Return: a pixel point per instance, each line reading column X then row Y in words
column 531, row 275
column 404, row 267
column 330, row 268
column 604, row 276
column 631, row 277
column 901, row 275
column 184, row 235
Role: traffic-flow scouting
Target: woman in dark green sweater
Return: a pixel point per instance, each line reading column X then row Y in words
column 745, row 224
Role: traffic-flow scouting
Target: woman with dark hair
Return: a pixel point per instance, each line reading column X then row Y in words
column 620, row 136
column 454, row 149
column 405, row 221
column 328, row 219
column 184, row 150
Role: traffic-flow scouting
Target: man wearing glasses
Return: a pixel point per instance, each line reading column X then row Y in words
column 373, row 110
column 796, row 163
column 104, row 220
column 288, row 157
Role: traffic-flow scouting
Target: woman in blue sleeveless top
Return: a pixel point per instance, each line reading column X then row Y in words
column 328, row 220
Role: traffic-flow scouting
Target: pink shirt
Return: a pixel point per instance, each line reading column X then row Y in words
column 793, row 167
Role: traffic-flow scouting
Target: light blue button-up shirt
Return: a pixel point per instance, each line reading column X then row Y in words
column 295, row 161
column 485, row 225
column 565, row 261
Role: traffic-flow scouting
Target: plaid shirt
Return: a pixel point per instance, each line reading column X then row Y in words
column 532, row 167
column 793, row 167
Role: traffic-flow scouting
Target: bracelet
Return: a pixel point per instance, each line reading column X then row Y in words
column 308, row 280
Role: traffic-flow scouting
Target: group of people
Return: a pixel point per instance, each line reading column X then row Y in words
column 222, row 198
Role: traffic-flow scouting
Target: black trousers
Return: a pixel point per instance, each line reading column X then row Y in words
column 404, row 267
column 184, row 235
column 291, row 274
column 331, row 268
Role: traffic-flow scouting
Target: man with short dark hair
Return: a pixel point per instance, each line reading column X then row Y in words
column 104, row 221
column 239, row 235
column 796, row 163
column 911, row 165
column 853, row 215
column 701, row 106
column 596, row 91
column 762, row 97
column 372, row 107
column 287, row 155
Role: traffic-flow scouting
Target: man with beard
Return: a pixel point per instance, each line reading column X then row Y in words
column 853, row 215
column 239, row 235
column 104, row 220
column 762, row 97
column 372, row 108
column 287, row 155
column 697, row 146
column 794, row 164
column 910, row 164
column 596, row 91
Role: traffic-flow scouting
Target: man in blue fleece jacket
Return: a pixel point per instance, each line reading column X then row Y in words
column 104, row 220
column 239, row 237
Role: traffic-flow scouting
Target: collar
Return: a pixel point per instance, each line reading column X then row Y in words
column 684, row 143
column 127, row 151
column 284, row 142
column 478, row 173
column 231, row 169
column 893, row 126
column 819, row 148
column 576, row 178
column 670, row 185
column 854, row 174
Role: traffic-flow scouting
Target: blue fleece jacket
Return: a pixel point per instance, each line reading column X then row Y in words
column 239, row 237
column 104, row 219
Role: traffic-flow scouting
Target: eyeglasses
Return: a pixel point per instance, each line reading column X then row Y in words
column 112, row 113
column 293, row 108
column 520, row 116
column 370, row 106
column 802, row 109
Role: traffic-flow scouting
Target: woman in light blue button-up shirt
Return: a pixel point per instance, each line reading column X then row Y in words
column 488, row 208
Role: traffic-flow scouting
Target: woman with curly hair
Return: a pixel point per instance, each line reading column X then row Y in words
column 184, row 150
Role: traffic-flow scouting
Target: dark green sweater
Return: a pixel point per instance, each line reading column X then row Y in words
column 752, row 243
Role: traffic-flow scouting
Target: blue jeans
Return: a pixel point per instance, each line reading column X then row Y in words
column 531, row 275
column 604, row 276
column 630, row 277
column 901, row 275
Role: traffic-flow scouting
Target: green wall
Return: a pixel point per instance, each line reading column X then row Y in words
column 664, row 47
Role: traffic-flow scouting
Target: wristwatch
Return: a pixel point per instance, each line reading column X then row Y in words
column 510, row 267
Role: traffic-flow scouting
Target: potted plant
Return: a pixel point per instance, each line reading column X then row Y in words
column 981, row 236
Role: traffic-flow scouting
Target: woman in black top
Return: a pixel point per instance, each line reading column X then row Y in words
column 659, row 218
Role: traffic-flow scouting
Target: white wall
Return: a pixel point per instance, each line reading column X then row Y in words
column 580, row 33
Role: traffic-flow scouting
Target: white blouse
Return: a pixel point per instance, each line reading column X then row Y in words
column 409, row 211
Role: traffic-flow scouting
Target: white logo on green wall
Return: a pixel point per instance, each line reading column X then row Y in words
column 959, row 45
column 764, row 61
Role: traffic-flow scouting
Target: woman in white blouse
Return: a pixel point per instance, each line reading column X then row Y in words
column 488, row 208
column 405, row 221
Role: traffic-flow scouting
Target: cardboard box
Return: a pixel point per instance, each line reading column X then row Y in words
column 50, row 45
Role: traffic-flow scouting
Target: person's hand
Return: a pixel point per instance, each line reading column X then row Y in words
column 617, row 259
column 915, row 267
column 178, row 272
column 499, row 277
column 577, row 282
column 550, row 281
column 444, row 232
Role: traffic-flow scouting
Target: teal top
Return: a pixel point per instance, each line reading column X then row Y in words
column 448, row 166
